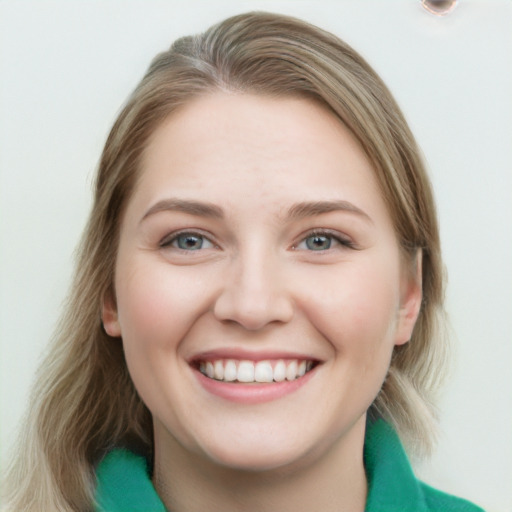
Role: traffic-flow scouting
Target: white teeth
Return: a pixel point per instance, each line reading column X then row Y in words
column 245, row 371
column 219, row 370
column 291, row 371
column 231, row 370
column 263, row 372
column 280, row 371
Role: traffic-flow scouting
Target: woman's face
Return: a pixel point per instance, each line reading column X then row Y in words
column 257, row 247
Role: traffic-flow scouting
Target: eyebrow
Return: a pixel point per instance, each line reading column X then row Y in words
column 310, row 209
column 197, row 208
column 295, row 212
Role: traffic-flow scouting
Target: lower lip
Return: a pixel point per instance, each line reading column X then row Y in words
column 253, row 393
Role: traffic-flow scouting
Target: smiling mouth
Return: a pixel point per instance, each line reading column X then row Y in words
column 244, row 371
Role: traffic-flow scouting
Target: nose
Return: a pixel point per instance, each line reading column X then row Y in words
column 254, row 294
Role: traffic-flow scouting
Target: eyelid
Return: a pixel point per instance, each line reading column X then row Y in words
column 343, row 240
column 168, row 239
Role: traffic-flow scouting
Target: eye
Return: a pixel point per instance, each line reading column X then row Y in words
column 187, row 241
column 322, row 241
column 318, row 242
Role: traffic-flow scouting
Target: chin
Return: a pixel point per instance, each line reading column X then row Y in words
column 263, row 452
column 257, row 459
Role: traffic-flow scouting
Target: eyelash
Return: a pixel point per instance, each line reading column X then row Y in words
column 173, row 237
column 332, row 236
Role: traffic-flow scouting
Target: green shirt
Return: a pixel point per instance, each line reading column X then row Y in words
column 124, row 484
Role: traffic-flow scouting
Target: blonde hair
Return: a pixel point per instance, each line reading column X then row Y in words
column 84, row 402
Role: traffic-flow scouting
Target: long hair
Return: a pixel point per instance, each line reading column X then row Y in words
column 83, row 402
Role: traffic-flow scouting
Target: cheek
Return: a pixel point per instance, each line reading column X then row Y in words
column 157, row 304
column 357, row 308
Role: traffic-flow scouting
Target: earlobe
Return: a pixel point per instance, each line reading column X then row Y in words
column 109, row 316
column 410, row 300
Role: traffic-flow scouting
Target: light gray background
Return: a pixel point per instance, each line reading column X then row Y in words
column 67, row 66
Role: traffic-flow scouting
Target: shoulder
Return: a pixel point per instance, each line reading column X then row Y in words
column 436, row 500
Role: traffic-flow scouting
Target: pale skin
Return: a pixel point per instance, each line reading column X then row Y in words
column 257, row 231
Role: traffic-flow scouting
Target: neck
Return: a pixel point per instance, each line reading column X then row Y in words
column 332, row 481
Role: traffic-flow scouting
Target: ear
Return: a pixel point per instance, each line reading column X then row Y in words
column 411, row 295
column 109, row 315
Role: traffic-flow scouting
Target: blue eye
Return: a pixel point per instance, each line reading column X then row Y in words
column 323, row 241
column 188, row 242
column 318, row 242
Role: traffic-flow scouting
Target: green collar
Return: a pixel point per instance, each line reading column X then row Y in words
column 124, row 483
column 392, row 485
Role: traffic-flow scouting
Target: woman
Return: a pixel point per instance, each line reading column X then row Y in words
column 257, row 299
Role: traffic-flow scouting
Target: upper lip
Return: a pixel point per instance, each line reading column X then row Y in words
column 249, row 355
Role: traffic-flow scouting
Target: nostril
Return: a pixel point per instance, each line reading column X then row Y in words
column 253, row 309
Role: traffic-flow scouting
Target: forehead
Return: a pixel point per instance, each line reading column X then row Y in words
column 249, row 123
column 243, row 147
